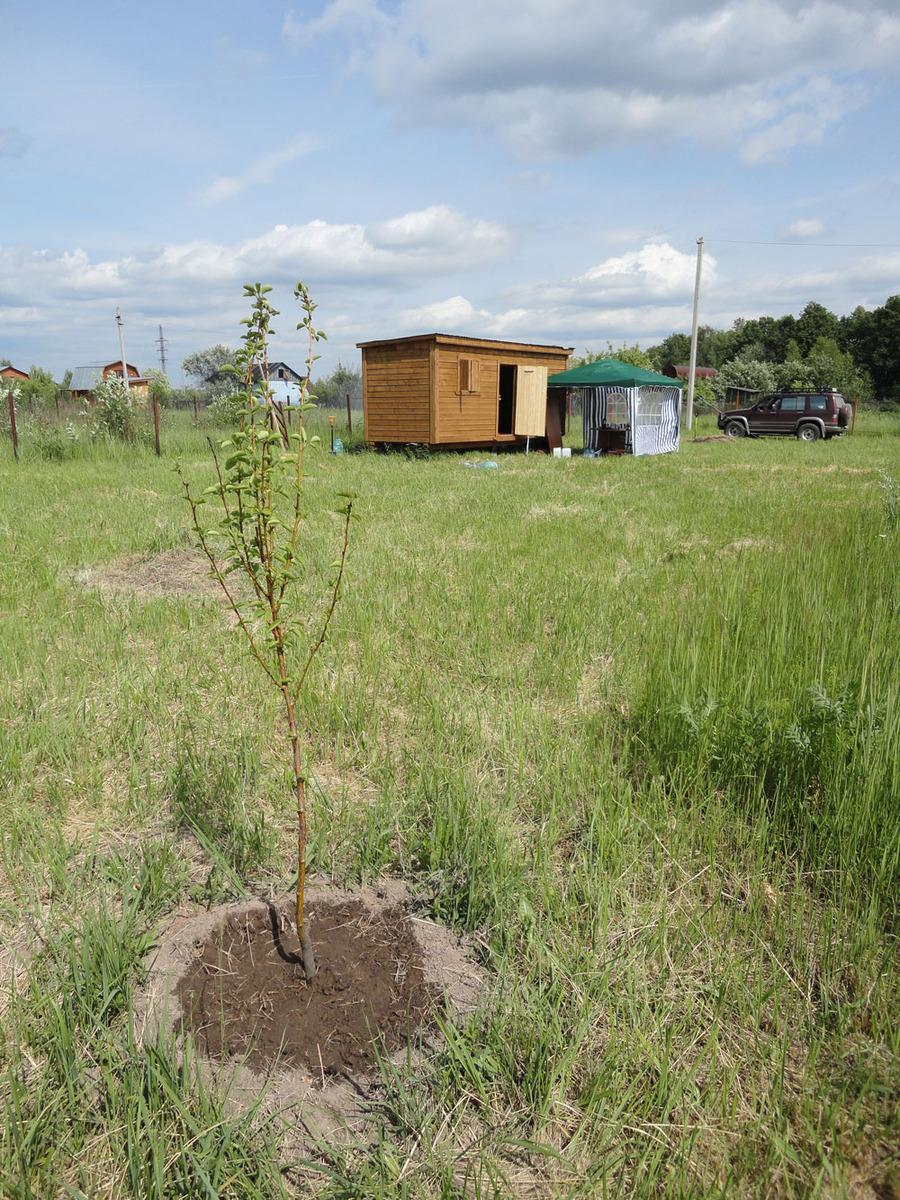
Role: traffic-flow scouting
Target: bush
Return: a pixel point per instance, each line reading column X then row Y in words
column 113, row 412
column 228, row 409
column 53, row 441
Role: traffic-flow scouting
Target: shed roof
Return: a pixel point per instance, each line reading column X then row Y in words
column 683, row 370
column 610, row 372
column 85, row 379
column 11, row 372
column 458, row 339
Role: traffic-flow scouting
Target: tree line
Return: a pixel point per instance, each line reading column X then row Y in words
column 859, row 353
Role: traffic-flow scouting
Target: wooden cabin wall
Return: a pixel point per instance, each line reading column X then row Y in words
column 396, row 392
column 472, row 416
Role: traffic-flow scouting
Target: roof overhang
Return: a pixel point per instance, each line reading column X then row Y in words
column 452, row 339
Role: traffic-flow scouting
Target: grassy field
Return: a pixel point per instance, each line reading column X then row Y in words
column 632, row 724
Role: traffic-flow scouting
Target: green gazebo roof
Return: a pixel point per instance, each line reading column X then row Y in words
column 610, row 372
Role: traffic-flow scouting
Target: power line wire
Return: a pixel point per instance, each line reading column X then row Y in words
column 810, row 245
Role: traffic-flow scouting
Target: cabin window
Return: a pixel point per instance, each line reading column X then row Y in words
column 281, row 372
column 506, row 400
column 468, row 375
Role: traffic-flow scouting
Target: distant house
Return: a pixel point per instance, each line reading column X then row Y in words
column 282, row 392
column 682, row 370
column 85, row 379
column 13, row 373
column 279, row 370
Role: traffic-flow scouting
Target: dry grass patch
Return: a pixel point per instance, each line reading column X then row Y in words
column 168, row 573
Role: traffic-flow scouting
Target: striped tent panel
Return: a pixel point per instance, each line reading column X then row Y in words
column 656, row 420
column 649, row 415
column 607, row 407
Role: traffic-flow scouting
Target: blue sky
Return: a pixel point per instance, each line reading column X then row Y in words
column 530, row 169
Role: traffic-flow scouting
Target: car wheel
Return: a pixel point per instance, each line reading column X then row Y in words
column 735, row 429
column 809, row 433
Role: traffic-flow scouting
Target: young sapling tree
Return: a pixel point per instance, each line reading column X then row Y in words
column 254, row 545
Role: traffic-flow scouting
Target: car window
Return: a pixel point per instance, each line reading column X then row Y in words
column 818, row 404
column 793, row 403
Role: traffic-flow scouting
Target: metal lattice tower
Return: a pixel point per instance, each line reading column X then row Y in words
column 162, row 343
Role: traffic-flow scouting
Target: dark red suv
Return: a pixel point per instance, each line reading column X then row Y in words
column 807, row 415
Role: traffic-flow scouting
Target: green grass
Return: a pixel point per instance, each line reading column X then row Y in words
column 633, row 724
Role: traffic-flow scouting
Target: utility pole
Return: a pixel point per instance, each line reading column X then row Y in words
column 162, row 343
column 119, row 322
column 692, row 369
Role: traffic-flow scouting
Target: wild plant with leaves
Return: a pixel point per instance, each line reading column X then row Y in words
column 254, row 547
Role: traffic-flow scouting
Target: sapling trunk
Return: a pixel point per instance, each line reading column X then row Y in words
column 262, row 477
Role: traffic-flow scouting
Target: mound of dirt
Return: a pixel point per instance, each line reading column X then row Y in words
column 245, row 997
column 169, row 573
column 228, row 979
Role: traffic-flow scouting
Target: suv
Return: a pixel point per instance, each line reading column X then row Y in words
column 807, row 415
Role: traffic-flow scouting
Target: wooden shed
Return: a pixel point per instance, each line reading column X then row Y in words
column 438, row 389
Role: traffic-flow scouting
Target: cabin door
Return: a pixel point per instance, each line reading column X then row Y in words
column 531, row 402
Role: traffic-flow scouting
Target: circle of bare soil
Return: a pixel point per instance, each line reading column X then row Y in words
column 227, row 978
column 246, row 996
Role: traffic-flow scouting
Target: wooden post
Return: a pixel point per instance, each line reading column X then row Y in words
column 692, row 369
column 349, row 416
column 194, row 402
column 331, row 426
column 156, row 423
column 853, row 418
column 12, row 421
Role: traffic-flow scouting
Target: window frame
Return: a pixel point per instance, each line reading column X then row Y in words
column 468, row 376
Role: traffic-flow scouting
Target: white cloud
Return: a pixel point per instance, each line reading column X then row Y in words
column 195, row 286
column 643, row 293
column 806, row 227
column 566, row 76
column 394, row 252
column 262, row 170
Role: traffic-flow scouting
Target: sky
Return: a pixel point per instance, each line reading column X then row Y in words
column 537, row 170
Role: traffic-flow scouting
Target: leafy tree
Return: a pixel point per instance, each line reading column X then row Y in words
column 674, row 349
column 813, row 323
column 633, row 355
column 332, row 390
column 159, row 386
column 833, row 367
column 746, row 373
column 39, row 390
column 211, row 369
column 765, row 338
column 873, row 338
